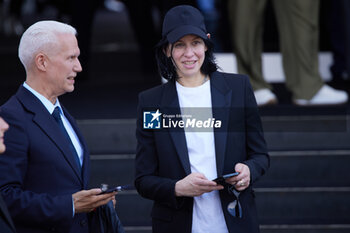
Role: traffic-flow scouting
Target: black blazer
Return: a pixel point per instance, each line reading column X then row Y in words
column 38, row 172
column 6, row 224
column 162, row 156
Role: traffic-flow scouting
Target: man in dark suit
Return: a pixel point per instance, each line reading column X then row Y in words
column 45, row 169
column 6, row 224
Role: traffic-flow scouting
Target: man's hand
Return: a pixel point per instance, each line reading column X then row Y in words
column 195, row 184
column 87, row 200
column 241, row 181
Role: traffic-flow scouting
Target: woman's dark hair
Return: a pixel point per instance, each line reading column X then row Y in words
column 165, row 64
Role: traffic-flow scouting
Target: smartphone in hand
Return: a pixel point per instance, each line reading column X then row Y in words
column 105, row 188
column 221, row 179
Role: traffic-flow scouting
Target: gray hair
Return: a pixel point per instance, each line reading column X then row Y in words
column 38, row 37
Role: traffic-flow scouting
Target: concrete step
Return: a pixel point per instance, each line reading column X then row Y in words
column 328, row 168
column 303, row 205
column 322, row 168
column 276, row 206
column 304, row 132
column 113, row 170
column 106, row 136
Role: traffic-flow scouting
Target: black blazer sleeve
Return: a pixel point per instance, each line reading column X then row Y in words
column 148, row 181
column 258, row 160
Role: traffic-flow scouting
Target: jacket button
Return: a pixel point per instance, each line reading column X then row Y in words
column 83, row 222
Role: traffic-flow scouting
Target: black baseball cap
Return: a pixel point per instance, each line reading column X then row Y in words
column 183, row 20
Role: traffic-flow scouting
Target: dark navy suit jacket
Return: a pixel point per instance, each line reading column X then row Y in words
column 162, row 156
column 6, row 224
column 38, row 172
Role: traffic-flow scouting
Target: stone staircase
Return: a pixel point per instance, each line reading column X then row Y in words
column 306, row 189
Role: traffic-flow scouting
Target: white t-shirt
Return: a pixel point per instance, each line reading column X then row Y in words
column 207, row 214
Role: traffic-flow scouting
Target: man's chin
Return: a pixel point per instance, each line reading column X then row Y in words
column 2, row 149
column 70, row 89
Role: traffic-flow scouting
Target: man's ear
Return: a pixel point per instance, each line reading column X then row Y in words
column 41, row 61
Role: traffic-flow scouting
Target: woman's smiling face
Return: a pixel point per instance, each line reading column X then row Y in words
column 188, row 54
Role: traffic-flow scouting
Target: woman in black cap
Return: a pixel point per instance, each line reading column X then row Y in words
column 200, row 125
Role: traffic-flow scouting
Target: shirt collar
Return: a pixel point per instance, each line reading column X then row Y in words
column 48, row 105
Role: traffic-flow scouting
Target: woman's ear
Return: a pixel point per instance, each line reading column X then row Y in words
column 167, row 50
column 208, row 35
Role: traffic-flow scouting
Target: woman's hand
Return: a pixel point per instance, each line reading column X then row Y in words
column 241, row 181
column 195, row 184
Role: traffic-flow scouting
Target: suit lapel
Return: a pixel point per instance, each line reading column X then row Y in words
column 170, row 104
column 86, row 160
column 48, row 125
column 221, row 102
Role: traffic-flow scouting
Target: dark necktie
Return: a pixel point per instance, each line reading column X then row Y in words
column 57, row 116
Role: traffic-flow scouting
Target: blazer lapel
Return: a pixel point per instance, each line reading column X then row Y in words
column 170, row 104
column 47, row 123
column 221, row 102
column 86, row 159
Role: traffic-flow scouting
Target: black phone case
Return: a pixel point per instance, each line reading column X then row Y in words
column 221, row 180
